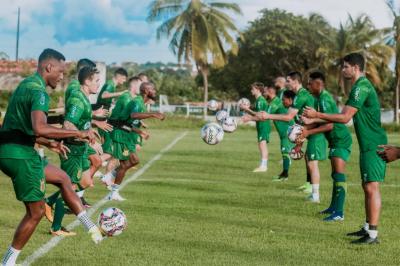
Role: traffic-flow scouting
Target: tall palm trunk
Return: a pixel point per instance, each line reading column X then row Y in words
column 204, row 72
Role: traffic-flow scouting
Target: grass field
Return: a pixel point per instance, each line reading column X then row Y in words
column 202, row 205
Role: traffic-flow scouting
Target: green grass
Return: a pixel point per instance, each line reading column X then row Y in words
column 202, row 205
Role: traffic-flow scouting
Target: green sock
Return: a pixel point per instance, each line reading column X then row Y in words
column 286, row 162
column 333, row 197
column 340, row 192
column 50, row 200
column 58, row 214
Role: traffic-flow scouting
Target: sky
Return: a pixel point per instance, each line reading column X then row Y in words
column 116, row 30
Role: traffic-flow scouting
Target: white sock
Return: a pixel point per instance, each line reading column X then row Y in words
column 114, row 188
column 264, row 163
column 80, row 193
column 373, row 233
column 366, row 226
column 10, row 257
column 315, row 189
column 110, row 175
column 85, row 220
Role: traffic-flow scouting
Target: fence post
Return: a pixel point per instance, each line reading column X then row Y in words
column 187, row 109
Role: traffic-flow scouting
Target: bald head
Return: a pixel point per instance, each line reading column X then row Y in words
column 280, row 82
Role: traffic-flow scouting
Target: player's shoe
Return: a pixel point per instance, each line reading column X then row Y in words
column 279, row 178
column 114, row 195
column 304, row 186
column 47, row 212
column 85, row 204
column 260, row 169
column 96, row 234
column 62, row 232
column 361, row 232
column 312, row 199
column 366, row 240
column 334, row 217
column 107, row 180
column 327, row 211
column 308, row 189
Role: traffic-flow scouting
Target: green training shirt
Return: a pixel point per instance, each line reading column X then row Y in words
column 78, row 110
column 122, row 108
column 367, row 120
column 261, row 105
column 109, row 86
column 301, row 101
column 72, row 86
column 276, row 107
column 29, row 96
column 339, row 136
column 279, row 94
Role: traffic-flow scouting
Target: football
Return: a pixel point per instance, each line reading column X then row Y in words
column 229, row 125
column 294, row 132
column 212, row 133
column 244, row 102
column 221, row 116
column 112, row 221
column 212, row 105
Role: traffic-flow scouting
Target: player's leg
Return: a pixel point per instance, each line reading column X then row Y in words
column 121, row 170
column 59, row 212
column 315, row 178
column 263, row 138
column 33, row 215
column 95, row 164
column 286, row 147
column 59, row 178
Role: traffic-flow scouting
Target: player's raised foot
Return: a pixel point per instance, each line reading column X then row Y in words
column 62, row 232
column 361, row 232
column 96, row 234
column 313, row 199
column 114, row 195
column 48, row 213
column 85, row 203
column 365, row 240
column 327, row 211
column 334, row 217
column 260, row 169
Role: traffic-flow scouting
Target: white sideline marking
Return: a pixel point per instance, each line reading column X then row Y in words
column 53, row 242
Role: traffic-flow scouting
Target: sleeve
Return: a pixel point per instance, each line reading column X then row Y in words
column 109, row 88
column 135, row 107
column 74, row 111
column 40, row 101
column 357, row 97
column 299, row 102
column 272, row 109
column 328, row 106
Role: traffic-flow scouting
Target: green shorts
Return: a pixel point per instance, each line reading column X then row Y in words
column 372, row 167
column 124, row 143
column 286, row 146
column 77, row 162
column 341, row 153
column 86, row 163
column 27, row 176
column 316, row 148
column 263, row 134
column 107, row 141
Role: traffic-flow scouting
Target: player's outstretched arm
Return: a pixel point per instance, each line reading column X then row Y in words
column 389, row 153
column 344, row 117
column 315, row 130
column 159, row 116
column 292, row 112
column 107, row 95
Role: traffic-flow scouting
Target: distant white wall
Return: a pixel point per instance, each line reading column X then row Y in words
column 101, row 66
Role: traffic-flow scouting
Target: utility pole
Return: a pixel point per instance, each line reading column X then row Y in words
column 17, row 45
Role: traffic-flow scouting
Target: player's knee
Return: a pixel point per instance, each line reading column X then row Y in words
column 134, row 159
column 38, row 214
column 95, row 161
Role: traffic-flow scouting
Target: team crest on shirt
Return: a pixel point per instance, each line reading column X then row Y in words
column 357, row 94
column 86, row 126
column 125, row 153
column 42, row 99
column 42, row 185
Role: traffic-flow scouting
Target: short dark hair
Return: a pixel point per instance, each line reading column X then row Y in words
column 140, row 75
column 121, row 71
column 317, row 75
column 289, row 94
column 83, row 63
column 134, row 78
column 295, row 75
column 258, row 85
column 86, row 73
column 49, row 53
column 355, row 59
column 146, row 85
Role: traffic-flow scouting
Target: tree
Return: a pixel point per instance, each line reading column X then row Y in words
column 198, row 31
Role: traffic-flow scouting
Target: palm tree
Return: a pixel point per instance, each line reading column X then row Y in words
column 395, row 41
column 199, row 31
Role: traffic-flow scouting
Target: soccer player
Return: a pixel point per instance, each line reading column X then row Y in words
column 389, row 153
column 276, row 107
column 128, row 111
column 363, row 106
column 339, row 140
column 280, row 85
column 24, row 124
column 316, row 146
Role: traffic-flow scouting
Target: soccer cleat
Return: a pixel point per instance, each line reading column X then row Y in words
column 280, row 179
column 334, row 218
column 47, row 213
column 312, row 199
column 114, row 195
column 361, row 232
column 366, row 240
column 326, row 211
column 96, row 234
column 62, row 232
column 304, row 186
column 308, row 189
column 260, row 169
column 85, row 203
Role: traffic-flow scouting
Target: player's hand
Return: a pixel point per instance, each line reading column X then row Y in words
column 101, row 112
column 60, row 148
column 302, row 137
column 244, row 107
column 246, row 118
column 144, row 125
column 310, row 112
column 145, row 135
column 306, row 120
column 262, row 115
column 104, row 126
column 389, row 153
column 159, row 116
column 88, row 135
column 97, row 147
